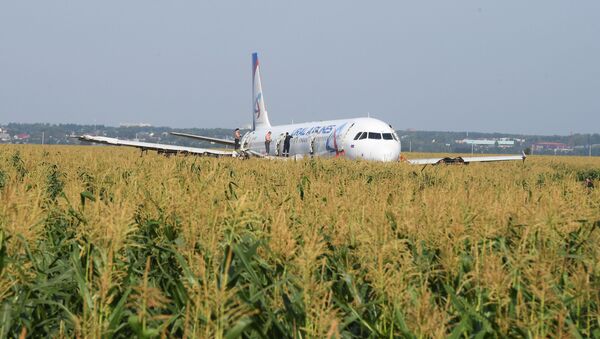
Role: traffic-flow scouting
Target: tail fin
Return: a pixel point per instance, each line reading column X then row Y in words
column 261, row 118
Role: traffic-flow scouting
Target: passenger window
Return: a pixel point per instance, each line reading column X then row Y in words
column 357, row 135
column 376, row 136
column 387, row 136
column 363, row 136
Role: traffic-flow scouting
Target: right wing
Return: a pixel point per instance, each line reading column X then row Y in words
column 466, row 160
column 203, row 138
column 161, row 148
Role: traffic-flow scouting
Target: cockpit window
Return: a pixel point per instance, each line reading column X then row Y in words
column 395, row 136
column 387, row 136
column 376, row 136
column 363, row 136
column 357, row 135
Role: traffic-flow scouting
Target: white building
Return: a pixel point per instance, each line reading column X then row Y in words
column 501, row 142
column 4, row 136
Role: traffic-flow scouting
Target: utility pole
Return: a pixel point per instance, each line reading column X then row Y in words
column 589, row 145
column 43, row 135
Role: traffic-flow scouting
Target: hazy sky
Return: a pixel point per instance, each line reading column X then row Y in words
column 509, row 66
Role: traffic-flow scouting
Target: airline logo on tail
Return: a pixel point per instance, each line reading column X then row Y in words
column 257, row 105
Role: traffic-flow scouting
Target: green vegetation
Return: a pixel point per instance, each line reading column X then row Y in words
column 100, row 242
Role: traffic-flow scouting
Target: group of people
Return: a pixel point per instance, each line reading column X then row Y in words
column 237, row 136
column 286, row 144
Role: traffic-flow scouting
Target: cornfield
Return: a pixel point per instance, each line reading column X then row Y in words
column 100, row 242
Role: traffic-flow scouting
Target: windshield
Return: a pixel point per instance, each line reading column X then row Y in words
column 376, row 136
column 387, row 136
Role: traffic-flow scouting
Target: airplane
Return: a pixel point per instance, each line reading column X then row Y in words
column 362, row 138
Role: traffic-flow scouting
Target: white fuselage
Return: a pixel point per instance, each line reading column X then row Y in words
column 359, row 138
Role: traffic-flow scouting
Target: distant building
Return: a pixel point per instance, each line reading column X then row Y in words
column 551, row 146
column 140, row 124
column 22, row 136
column 501, row 142
column 4, row 136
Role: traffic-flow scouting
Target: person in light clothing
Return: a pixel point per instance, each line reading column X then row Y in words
column 237, row 135
column 268, row 142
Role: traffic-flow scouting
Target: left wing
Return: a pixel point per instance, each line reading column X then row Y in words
column 466, row 160
column 161, row 148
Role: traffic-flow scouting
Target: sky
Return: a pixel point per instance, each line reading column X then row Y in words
column 507, row 66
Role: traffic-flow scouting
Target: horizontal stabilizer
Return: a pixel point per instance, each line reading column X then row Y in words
column 203, row 138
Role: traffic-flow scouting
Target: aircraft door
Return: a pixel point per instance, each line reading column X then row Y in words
column 332, row 144
column 341, row 137
column 279, row 145
column 247, row 139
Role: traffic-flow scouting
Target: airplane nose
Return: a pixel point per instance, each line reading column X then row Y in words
column 382, row 153
column 388, row 156
column 386, row 152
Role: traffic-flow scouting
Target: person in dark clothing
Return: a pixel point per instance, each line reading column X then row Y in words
column 237, row 135
column 286, row 145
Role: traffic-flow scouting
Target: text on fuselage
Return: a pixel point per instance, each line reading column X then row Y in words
column 313, row 130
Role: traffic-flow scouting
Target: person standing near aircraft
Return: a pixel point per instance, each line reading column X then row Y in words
column 268, row 142
column 237, row 135
column 311, row 149
column 286, row 145
column 278, row 144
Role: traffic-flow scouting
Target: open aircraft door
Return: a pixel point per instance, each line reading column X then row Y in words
column 338, row 139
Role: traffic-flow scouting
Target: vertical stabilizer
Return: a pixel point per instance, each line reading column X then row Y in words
column 261, row 118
